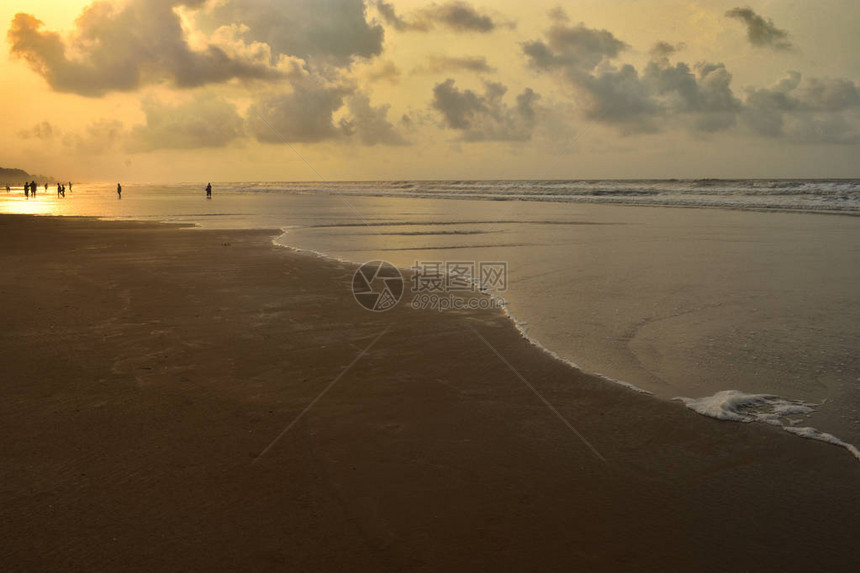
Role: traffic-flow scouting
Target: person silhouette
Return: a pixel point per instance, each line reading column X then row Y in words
column 27, row 189
column 59, row 190
column 118, row 191
column 209, row 191
column 33, row 188
column 70, row 186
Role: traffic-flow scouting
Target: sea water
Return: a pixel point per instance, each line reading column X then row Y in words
column 749, row 310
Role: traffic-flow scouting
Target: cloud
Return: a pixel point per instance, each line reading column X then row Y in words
column 665, row 49
column 100, row 136
column 811, row 111
column 460, row 17
column 333, row 32
column 439, row 64
column 307, row 115
column 385, row 71
column 122, row 47
column 573, row 50
column 389, row 15
column 205, row 121
column 699, row 97
column 457, row 16
column 486, row 117
column 235, row 40
column 42, row 130
column 370, row 124
column 760, row 31
column 617, row 94
column 703, row 93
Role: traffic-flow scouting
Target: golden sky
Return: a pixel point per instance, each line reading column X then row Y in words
column 191, row 90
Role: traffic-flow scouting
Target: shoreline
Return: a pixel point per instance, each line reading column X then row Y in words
column 148, row 366
column 737, row 407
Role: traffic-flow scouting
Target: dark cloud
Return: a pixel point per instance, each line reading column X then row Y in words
column 307, row 115
column 572, row 49
column 486, row 117
column 760, row 31
column 665, row 49
column 370, row 124
column 122, row 47
column 323, row 31
column 390, row 16
column 811, row 111
column 205, row 121
column 704, row 92
column 829, row 94
column 617, row 94
column 458, row 16
column 439, row 64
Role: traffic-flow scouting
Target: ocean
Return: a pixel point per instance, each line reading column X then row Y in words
column 740, row 298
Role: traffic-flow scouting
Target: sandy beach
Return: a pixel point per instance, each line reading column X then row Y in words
column 146, row 368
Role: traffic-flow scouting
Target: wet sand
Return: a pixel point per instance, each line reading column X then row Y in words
column 146, row 367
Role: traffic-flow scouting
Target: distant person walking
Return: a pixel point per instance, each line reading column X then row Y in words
column 8, row 189
column 27, row 189
column 46, row 186
column 118, row 191
column 70, row 186
column 209, row 191
column 33, row 188
column 59, row 190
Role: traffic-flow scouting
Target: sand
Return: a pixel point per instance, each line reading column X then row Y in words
column 146, row 367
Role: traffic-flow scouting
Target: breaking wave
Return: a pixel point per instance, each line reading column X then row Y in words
column 821, row 195
column 736, row 406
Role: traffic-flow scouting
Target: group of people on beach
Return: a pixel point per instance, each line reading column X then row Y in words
column 30, row 188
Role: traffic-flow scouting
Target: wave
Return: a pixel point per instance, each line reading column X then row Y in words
column 736, row 406
column 386, row 223
column 840, row 196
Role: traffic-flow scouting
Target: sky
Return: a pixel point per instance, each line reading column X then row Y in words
column 260, row 90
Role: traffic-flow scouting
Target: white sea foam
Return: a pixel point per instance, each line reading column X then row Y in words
column 813, row 434
column 736, row 406
column 319, row 254
column 835, row 196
